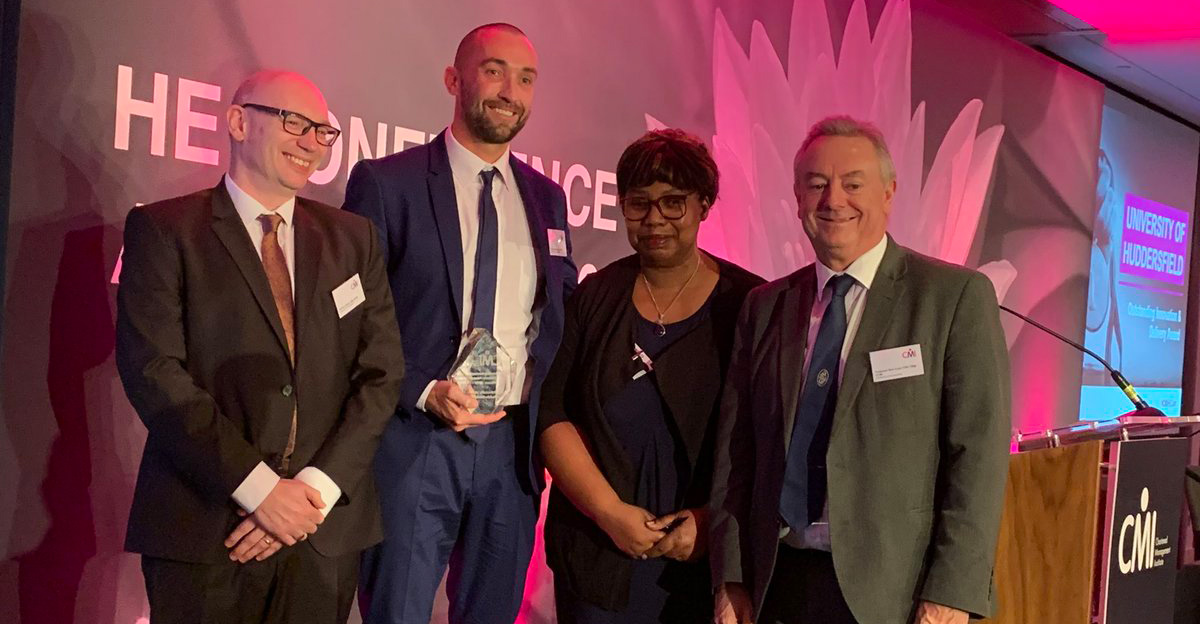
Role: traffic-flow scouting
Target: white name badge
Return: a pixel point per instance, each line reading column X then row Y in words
column 348, row 296
column 898, row 363
column 558, row 242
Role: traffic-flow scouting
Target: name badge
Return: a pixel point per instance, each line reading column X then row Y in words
column 558, row 242
column 348, row 296
column 897, row 363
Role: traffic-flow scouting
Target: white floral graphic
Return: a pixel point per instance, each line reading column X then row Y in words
column 763, row 112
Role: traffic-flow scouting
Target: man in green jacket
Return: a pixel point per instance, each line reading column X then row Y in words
column 863, row 444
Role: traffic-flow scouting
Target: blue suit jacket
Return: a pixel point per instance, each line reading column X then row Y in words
column 410, row 198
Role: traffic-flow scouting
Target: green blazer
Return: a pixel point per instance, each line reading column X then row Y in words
column 917, row 466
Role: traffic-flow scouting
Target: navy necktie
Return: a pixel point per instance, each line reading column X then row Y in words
column 804, row 482
column 483, row 307
column 483, row 302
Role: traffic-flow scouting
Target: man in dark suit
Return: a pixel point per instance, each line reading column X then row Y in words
column 474, row 239
column 863, row 444
column 258, row 344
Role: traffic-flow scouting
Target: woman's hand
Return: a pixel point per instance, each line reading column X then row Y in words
column 688, row 541
column 628, row 526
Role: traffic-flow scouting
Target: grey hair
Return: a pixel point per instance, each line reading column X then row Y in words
column 846, row 126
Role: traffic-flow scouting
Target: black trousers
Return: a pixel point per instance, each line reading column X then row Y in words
column 804, row 590
column 296, row 585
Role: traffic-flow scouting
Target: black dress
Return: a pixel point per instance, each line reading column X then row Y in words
column 639, row 417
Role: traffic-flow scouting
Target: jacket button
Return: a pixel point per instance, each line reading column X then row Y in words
column 286, row 390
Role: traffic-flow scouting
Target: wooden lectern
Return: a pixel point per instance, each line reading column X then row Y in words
column 1058, row 508
column 1046, row 557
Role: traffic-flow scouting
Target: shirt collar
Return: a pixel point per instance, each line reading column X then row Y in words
column 250, row 209
column 465, row 164
column 862, row 270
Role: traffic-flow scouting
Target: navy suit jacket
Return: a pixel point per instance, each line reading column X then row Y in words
column 410, row 198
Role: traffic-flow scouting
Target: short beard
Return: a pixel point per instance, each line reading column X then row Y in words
column 483, row 129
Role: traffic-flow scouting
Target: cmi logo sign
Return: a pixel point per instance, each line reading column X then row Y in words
column 1139, row 546
column 1138, row 580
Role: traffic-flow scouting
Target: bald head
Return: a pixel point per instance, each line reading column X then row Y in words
column 273, row 81
column 471, row 42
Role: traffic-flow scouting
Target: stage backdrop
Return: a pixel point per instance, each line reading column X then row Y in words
column 120, row 102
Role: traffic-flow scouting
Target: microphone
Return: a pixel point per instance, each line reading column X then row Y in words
column 1141, row 407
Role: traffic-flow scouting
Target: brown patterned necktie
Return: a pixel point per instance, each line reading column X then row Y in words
column 281, row 291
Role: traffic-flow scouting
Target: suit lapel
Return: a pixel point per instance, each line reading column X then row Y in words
column 232, row 233
column 798, row 301
column 886, row 289
column 309, row 252
column 445, row 212
column 537, row 225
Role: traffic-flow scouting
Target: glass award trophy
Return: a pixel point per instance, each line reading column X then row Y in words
column 484, row 370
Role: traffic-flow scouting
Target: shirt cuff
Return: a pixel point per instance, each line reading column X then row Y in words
column 255, row 487
column 425, row 395
column 319, row 481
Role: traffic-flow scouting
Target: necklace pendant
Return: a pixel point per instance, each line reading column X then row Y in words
column 661, row 330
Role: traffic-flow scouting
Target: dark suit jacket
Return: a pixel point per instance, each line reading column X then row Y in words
column 916, row 466
column 202, row 355
column 594, row 364
column 410, row 198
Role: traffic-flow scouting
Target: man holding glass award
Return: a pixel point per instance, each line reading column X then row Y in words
column 479, row 262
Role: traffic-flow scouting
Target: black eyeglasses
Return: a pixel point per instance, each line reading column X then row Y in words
column 297, row 124
column 672, row 206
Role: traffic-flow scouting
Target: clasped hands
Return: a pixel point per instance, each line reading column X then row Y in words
column 289, row 514
column 641, row 535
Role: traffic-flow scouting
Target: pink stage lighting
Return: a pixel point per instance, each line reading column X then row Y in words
column 1144, row 20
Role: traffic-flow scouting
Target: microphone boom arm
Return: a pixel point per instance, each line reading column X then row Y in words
column 1116, row 375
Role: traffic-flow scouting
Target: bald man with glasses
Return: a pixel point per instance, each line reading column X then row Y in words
column 257, row 341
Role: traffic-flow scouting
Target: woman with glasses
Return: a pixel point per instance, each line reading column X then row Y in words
column 629, row 407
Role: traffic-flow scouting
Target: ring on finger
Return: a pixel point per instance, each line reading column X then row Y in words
column 268, row 540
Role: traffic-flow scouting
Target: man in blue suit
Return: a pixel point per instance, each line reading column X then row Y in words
column 473, row 238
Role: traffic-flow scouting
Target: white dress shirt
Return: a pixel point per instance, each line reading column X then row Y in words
column 863, row 271
column 259, row 483
column 515, row 325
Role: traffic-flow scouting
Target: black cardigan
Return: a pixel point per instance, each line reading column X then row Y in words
column 593, row 363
